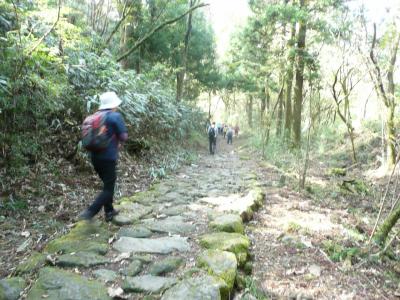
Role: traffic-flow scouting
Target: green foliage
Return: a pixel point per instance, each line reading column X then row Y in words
column 339, row 253
column 44, row 96
column 252, row 289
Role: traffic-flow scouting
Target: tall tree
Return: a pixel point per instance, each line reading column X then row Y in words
column 386, row 93
column 298, row 89
column 180, row 76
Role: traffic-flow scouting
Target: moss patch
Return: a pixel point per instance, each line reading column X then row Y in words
column 84, row 237
column 56, row 284
column 32, row 264
column 232, row 242
column 221, row 264
column 10, row 288
column 228, row 223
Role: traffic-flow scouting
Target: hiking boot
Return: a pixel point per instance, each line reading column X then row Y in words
column 86, row 215
column 111, row 214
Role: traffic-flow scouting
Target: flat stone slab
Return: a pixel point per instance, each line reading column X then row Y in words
column 174, row 210
column 166, row 265
column 173, row 225
column 228, row 223
column 134, row 268
column 148, row 284
column 105, row 275
column 57, row 284
column 84, row 237
column 232, row 242
column 218, row 263
column 135, row 232
column 130, row 213
column 10, row 288
column 163, row 245
column 81, row 259
column 244, row 206
column 31, row 264
column 199, row 288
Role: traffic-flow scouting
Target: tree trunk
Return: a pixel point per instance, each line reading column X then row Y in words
column 262, row 108
column 390, row 136
column 279, row 123
column 250, row 111
column 298, row 89
column 383, row 231
column 209, row 105
column 138, row 66
column 289, row 85
column 387, row 97
column 180, row 77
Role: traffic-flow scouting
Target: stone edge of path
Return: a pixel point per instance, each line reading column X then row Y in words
column 258, row 196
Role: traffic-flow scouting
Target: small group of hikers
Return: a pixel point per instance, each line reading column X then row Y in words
column 103, row 134
column 220, row 129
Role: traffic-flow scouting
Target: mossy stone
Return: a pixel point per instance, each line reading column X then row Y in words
column 232, row 242
column 135, row 232
column 81, row 259
column 134, row 268
column 32, row 264
column 10, row 288
column 248, row 268
column 57, row 284
column 105, row 275
column 147, row 284
column 221, row 264
column 84, row 237
column 228, row 223
column 204, row 287
column 165, row 266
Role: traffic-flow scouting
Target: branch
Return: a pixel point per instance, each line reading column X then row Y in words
column 48, row 32
column 155, row 29
column 125, row 13
column 380, row 87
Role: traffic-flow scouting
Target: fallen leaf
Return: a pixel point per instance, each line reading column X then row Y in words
column 315, row 270
column 295, row 272
column 25, row 233
column 122, row 256
column 24, row 245
column 115, row 292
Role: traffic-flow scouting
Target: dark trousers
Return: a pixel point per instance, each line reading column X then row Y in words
column 230, row 137
column 106, row 169
column 212, row 145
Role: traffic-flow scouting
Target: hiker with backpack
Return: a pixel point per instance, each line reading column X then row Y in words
column 229, row 135
column 236, row 130
column 102, row 135
column 212, row 138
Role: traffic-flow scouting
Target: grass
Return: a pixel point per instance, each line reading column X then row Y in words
column 293, row 227
column 338, row 253
column 252, row 289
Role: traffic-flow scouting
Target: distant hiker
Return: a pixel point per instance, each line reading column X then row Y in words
column 102, row 134
column 212, row 138
column 229, row 135
column 225, row 130
column 208, row 124
column 236, row 130
column 219, row 128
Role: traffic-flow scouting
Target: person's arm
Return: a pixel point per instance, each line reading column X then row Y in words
column 120, row 129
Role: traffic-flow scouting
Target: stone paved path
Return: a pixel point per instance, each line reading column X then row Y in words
column 184, row 238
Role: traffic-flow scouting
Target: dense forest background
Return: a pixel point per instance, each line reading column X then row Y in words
column 313, row 84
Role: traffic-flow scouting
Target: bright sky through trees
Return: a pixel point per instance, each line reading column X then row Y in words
column 227, row 15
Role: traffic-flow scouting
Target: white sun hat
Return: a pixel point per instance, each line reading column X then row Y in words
column 109, row 100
